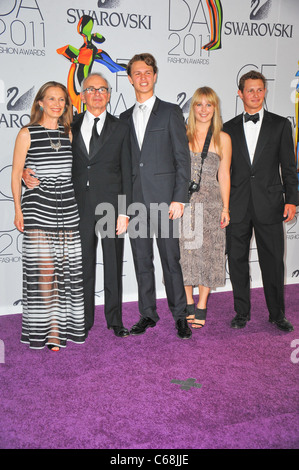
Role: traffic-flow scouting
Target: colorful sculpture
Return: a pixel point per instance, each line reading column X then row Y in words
column 215, row 12
column 83, row 59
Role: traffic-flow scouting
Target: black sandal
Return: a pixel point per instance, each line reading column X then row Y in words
column 190, row 310
column 200, row 314
column 53, row 347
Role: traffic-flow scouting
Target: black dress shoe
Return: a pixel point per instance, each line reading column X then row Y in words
column 120, row 331
column 240, row 321
column 140, row 327
column 283, row 324
column 184, row 331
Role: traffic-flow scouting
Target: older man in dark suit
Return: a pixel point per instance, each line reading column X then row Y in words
column 102, row 175
column 263, row 194
column 161, row 173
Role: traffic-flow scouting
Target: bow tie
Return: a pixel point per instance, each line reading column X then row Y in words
column 252, row 117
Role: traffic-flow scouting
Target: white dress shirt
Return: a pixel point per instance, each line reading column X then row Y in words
column 87, row 125
column 148, row 106
column 252, row 131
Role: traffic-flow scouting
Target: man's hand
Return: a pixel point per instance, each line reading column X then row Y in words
column 28, row 178
column 289, row 212
column 122, row 224
column 176, row 210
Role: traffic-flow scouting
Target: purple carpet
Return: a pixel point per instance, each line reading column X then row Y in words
column 223, row 389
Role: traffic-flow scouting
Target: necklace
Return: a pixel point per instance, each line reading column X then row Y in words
column 55, row 146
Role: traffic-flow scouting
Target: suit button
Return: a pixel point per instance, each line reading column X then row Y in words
column 141, row 164
column 252, row 176
column 88, row 167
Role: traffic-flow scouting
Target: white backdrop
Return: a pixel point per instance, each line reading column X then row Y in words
column 261, row 35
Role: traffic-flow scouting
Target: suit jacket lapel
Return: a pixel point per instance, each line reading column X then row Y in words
column 132, row 126
column 240, row 138
column 77, row 137
column 263, row 137
column 151, row 119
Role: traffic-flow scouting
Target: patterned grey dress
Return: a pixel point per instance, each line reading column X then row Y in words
column 202, row 240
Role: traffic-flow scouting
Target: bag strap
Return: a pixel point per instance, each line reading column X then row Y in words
column 206, row 144
column 205, row 151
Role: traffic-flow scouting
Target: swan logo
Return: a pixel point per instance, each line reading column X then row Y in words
column 184, row 104
column 17, row 102
column 108, row 3
column 259, row 11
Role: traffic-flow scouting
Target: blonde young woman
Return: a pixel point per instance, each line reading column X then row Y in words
column 202, row 241
column 53, row 310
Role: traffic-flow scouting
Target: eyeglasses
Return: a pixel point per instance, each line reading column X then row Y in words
column 91, row 90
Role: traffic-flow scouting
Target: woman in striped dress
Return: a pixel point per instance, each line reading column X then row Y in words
column 53, row 308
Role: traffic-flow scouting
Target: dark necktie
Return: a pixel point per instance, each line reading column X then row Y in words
column 94, row 136
column 252, row 117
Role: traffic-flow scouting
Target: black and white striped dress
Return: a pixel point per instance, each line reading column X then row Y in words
column 53, row 307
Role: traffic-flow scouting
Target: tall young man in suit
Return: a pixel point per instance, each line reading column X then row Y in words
column 263, row 194
column 161, row 173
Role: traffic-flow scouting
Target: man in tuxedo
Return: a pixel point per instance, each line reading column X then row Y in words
column 161, row 173
column 263, row 194
column 101, row 173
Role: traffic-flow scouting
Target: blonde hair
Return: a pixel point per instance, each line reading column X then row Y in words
column 37, row 112
column 216, row 124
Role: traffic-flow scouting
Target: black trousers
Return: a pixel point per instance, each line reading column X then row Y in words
column 112, row 249
column 270, row 248
column 157, row 225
